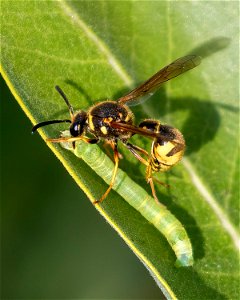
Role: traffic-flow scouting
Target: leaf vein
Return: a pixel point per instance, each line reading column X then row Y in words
column 117, row 67
column 196, row 180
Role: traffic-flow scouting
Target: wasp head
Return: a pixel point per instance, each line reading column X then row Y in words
column 78, row 124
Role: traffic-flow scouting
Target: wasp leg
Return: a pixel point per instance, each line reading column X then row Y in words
column 150, row 180
column 108, row 152
column 162, row 183
column 134, row 150
column 138, row 149
column 149, row 177
column 116, row 160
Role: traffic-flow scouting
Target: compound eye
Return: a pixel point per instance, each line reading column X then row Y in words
column 75, row 129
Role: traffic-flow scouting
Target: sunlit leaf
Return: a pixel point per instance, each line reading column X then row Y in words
column 99, row 50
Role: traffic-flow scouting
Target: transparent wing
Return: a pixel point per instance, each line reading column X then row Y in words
column 175, row 69
column 144, row 132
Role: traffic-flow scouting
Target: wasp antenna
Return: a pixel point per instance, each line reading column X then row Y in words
column 41, row 124
column 66, row 100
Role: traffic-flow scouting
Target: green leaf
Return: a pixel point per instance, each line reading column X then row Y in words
column 101, row 49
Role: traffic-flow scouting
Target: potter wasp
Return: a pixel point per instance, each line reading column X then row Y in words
column 113, row 121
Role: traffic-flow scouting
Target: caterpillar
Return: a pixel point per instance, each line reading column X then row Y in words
column 113, row 121
column 157, row 214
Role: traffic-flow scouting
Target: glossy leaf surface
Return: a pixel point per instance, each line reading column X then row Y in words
column 100, row 50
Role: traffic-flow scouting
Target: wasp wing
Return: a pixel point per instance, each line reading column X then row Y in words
column 144, row 132
column 175, row 69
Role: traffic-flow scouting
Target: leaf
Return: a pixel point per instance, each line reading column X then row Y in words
column 98, row 50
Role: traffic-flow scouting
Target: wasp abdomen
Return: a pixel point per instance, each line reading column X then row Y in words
column 168, row 149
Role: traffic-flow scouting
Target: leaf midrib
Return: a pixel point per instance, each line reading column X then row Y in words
column 116, row 65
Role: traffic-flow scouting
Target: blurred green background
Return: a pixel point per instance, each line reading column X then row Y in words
column 54, row 243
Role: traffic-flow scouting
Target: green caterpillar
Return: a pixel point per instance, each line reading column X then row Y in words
column 138, row 198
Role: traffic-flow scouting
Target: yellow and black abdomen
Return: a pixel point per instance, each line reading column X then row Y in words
column 101, row 115
column 167, row 149
column 165, row 155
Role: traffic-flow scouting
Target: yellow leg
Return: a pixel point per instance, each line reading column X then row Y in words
column 138, row 149
column 134, row 150
column 107, row 150
column 150, row 180
column 116, row 160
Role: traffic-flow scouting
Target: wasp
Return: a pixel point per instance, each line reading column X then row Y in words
column 113, row 121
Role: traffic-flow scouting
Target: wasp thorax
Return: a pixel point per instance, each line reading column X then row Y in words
column 101, row 115
column 78, row 124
